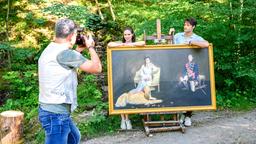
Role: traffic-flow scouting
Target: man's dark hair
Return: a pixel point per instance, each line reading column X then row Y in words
column 131, row 30
column 192, row 21
column 64, row 27
column 146, row 57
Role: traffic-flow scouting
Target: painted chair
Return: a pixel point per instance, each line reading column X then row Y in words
column 155, row 79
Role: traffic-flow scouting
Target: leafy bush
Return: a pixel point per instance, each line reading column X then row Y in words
column 74, row 12
column 98, row 124
column 23, row 86
column 34, row 21
column 5, row 55
column 89, row 95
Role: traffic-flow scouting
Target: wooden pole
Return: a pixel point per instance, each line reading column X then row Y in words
column 11, row 127
column 98, row 7
column 158, row 29
column 111, row 10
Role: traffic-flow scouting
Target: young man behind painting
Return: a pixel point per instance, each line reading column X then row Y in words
column 190, row 38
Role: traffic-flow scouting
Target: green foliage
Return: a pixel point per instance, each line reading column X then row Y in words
column 94, row 22
column 35, row 22
column 98, row 124
column 235, row 55
column 85, row 19
column 5, row 47
column 23, row 59
column 20, row 79
column 89, row 95
column 23, row 85
column 90, row 101
column 76, row 13
column 5, row 55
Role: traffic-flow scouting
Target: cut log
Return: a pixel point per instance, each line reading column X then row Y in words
column 11, row 127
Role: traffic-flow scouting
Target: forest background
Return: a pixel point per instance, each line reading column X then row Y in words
column 26, row 28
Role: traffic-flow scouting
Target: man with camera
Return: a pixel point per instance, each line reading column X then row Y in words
column 58, row 81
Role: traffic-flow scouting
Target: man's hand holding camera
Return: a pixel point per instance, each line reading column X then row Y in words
column 83, row 41
column 89, row 42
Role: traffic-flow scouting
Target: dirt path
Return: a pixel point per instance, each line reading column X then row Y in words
column 208, row 127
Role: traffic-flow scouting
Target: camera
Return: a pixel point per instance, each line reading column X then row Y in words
column 80, row 38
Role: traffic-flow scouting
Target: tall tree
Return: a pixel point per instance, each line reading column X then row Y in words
column 7, row 20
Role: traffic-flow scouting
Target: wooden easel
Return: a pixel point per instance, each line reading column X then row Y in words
column 170, row 124
column 173, row 122
column 159, row 38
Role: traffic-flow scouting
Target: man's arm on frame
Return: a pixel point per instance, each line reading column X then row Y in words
column 202, row 44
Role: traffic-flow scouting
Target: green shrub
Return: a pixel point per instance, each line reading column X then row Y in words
column 74, row 12
column 23, row 86
column 5, row 55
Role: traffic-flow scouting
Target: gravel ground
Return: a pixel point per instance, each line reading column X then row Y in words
column 222, row 127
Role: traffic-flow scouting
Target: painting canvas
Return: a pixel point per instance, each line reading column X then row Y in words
column 160, row 78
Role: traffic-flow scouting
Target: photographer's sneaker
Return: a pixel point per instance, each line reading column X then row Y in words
column 123, row 125
column 188, row 122
column 128, row 124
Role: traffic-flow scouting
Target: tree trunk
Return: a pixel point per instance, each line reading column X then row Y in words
column 240, row 21
column 231, row 16
column 7, row 32
column 11, row 127
column 7, row 20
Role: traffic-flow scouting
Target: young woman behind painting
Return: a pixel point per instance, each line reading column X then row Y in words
column 129, row 39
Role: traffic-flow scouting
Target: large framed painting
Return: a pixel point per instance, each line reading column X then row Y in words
column 160, row 78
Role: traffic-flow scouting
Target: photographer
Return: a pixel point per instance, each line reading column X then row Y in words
column 58, row 82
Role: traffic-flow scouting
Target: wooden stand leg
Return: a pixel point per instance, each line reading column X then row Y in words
column 11, row 127
column 146, row 127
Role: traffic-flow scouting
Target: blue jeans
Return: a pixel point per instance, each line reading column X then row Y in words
column 59, row 128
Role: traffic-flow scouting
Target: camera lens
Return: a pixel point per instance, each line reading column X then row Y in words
column 80, row 40
column 80, row 37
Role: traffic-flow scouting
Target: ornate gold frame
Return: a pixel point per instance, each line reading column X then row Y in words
column 112, row 110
